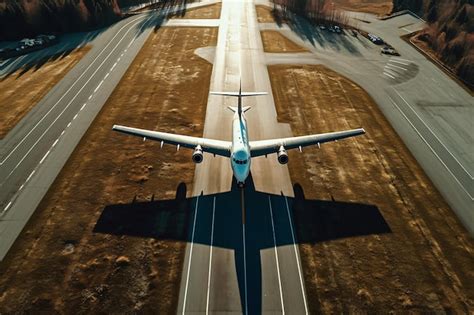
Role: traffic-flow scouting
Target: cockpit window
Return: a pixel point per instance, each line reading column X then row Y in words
column 240, row 161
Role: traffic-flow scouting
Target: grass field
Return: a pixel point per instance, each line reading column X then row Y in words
column 24, row 88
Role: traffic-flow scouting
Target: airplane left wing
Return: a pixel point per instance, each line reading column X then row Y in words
column 217, row 147
column 264, row 147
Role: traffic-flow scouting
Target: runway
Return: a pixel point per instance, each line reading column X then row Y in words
column 231, row 267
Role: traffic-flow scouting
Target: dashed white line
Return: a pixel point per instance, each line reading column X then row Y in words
column 55, row 142
column 44, row 157
column 62, row 133
column 90, row 97
column 31, row 175
column 82, row 107
column 68, row 125
column 210, row 255
column 75, row 116
column 190, row 255
column 276, row 255
column 115, row 64
column 7, row 207
column 97, row 88
column 296, row 255
column 106, row 75
column 21, row 187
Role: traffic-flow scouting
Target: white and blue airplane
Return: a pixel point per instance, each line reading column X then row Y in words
column 240, row 150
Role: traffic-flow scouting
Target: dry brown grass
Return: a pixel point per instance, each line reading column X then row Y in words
column 378, row 7
column 275, row 42
column 424, row 264
column 264, row 14
column 212, row 11
column 24, row 88
column 58, row 264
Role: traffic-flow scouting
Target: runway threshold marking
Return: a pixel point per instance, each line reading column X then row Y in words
column 190, row 255
column 210, row 255
column 71, row 87
column 297, row 256
column 276, row 255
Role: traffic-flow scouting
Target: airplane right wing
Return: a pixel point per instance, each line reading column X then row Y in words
column 264, row 147
column 212, row 146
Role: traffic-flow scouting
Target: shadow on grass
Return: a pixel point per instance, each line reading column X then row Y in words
column 308, row 31
column 174, row 219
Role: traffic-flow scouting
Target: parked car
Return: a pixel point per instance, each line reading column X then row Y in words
column 338, row 29
column 375, row 39
column 389, row 50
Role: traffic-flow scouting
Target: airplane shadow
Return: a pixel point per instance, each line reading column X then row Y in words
column 314, row 221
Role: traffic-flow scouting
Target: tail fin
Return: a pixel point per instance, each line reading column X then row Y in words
column 239, row 94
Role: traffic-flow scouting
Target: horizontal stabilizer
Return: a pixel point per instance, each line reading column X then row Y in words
column 239, row 94
column 236, row 109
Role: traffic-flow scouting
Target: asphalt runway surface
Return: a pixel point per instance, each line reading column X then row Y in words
column 230, row 267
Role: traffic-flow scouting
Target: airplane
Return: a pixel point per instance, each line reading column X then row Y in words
column 240, row 150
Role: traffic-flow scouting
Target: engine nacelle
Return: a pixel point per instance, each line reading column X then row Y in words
column 282, row 155
column 198, row 155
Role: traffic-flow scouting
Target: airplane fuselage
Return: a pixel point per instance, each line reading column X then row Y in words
column 240, row 153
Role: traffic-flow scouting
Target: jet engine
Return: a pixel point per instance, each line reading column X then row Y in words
column 282, row 155
column 198, row 156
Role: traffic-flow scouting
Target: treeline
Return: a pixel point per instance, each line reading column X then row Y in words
column 451, row 34
column 318, row 11
column 28, row 18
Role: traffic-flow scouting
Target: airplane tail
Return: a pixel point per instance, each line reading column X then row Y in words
column 239, row 94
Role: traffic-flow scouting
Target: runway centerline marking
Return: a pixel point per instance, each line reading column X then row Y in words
column 276, row 255
column 70, row 88
column 210, row 255
column 190, row 255
column 296, row 255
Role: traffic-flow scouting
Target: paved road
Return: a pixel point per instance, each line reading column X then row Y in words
column 33, row 153
column 232, row 267
column 430, row 111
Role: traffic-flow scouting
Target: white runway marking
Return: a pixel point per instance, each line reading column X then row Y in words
column 296, row 255
column 84, row 105
column 426, row 142
column 276, row 256
column 44, row 157
column 29, row 177
column 7, row 207
column 210, row 255
column 400, row 62
column 75, row 116
column 55, row 142
column 98, row 86
column 68, row 125
column 395, row 66
column 190, row 255
column 388, row 75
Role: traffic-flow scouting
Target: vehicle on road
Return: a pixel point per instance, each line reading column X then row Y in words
column 375, row 39
column 240, row 150
column 389, row 50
